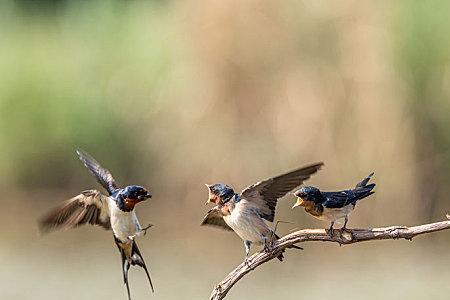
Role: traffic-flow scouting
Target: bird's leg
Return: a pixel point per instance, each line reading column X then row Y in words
column 145, row 228
column 268, row 245
column 345, row 224
column 140, row 231
column 247, row 245
column 331, row 229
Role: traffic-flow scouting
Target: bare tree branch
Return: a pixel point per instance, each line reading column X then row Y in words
column 349, row 236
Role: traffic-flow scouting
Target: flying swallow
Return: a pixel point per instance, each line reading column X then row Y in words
column 245, row 213
column 115, row 211
column 332, row 206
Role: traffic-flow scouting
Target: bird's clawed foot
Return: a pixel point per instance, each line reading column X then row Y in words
column 145, row 228
column 330, row 230
column 143, row 231
column 247, row 262
column 268, row 247
column 344, row 228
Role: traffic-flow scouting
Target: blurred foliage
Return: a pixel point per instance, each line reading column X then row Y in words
column 81, row 77
column 423, row 55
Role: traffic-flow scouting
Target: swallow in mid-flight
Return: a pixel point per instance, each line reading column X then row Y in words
column 244, row 213
column 332, row 206
column 115, row 211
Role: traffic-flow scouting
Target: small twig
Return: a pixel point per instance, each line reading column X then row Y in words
column 349, row 236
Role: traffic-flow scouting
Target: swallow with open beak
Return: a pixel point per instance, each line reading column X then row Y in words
column 332, row 206
column 115, row 211
column 245, row 213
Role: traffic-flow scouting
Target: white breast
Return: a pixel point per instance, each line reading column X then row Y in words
column 247, row 224
column 333, row 214
column 123, row 224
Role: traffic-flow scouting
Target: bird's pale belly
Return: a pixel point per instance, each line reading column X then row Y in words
column 249, row 228
column 123, row 227
column 333, row 214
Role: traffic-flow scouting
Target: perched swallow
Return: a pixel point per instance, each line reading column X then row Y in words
column 331, row 206
column 115, row 211
column 245, row 213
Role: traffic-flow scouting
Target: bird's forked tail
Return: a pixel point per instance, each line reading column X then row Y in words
column 131, row 256
column 363, row 189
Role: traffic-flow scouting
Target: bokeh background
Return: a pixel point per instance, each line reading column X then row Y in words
column 175, row 94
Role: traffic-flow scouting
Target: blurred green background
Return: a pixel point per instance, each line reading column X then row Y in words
column 175, row 94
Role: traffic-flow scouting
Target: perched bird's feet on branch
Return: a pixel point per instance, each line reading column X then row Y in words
column 268, row 247
column 344, row 227
column 247, row 262
column 330, row 231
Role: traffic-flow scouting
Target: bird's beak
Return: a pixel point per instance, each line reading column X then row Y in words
column 298, row 203
column 209, row 196
column 145, row 197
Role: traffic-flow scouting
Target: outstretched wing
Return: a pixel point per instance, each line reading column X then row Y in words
column 88, row 207
column 103, row 176
column 215, row 218
column 264, row 194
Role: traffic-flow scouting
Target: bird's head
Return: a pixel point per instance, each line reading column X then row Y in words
column 219, row 193
column 134, row 194
column 307, row 195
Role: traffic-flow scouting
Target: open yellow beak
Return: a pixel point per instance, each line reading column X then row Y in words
column 209, row 196
column 298, row 203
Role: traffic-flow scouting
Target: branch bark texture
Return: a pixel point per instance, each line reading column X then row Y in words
column 348, row 236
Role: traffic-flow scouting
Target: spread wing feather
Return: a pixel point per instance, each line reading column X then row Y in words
column 88, row 207
column 103, row 176
column 265, row 194
column 215, row 218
